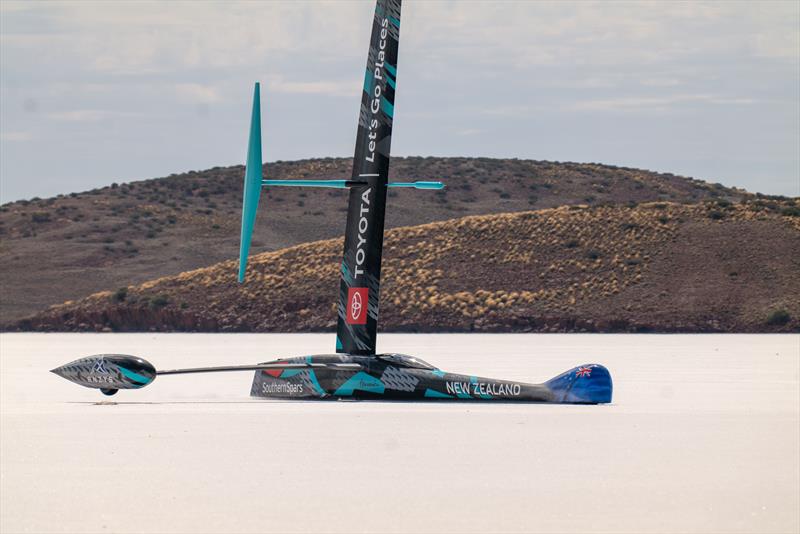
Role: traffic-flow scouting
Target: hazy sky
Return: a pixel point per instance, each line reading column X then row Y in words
column 97, row 92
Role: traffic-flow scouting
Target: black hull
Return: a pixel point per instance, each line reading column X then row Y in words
column 401, row 378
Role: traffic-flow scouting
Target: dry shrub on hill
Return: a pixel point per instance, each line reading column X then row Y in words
column 569, row 268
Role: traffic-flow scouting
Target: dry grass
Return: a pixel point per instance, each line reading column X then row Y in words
column 71, row 246
column 575, row 268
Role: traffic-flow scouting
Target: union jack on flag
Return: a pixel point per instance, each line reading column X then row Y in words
column 583, row 371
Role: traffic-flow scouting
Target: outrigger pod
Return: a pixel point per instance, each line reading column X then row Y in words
column 356, row 371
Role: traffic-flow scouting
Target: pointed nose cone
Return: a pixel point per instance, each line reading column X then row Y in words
column 108, row 371
column 73, row 371
column 67, row 371
column 59, row 371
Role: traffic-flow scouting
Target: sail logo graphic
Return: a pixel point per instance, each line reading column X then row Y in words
column 363, row 225
column 357, row 298
column 583, row 371
column 377, row 90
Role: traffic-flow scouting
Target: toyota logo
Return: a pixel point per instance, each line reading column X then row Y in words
column 355, row 306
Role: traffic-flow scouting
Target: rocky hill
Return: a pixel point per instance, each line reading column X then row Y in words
column 67, row 247
column 656, row 267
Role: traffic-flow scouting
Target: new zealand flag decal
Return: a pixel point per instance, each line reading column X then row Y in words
column 357, row 298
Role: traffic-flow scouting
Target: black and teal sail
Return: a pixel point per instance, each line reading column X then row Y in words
column 359, row 291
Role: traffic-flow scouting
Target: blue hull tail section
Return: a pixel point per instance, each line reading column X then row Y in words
column 585, row 384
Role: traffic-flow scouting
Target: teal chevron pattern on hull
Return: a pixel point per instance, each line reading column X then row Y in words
column 401, row 377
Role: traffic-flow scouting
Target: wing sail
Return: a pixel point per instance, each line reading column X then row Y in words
column 359, row 291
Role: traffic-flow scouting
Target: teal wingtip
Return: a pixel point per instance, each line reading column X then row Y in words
column 430, row 185
column 418, row 185
column 252, row 183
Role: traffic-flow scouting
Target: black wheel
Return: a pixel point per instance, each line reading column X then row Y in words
column 108, row 392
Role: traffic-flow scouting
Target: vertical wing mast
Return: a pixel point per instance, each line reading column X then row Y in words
column 359, row 291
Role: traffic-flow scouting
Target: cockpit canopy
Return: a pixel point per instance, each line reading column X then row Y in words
column 403, row 360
